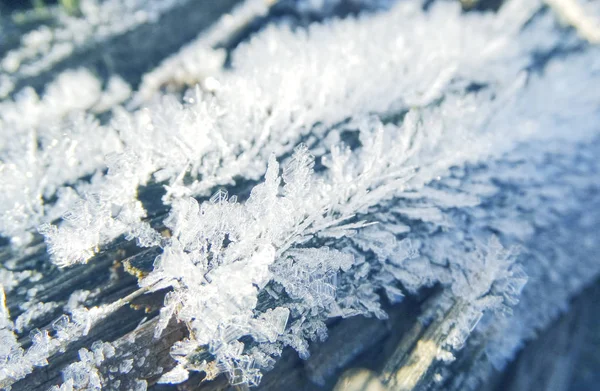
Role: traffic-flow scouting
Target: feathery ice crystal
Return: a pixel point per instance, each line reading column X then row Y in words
column 382, row 157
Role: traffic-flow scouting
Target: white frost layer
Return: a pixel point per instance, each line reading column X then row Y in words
column 285, row 85
column 222, row 254
column 43, row 47
column 18, row 363
column 51, row 142
column 199, row 60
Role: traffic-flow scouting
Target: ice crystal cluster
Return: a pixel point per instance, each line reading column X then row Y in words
column 313, row 171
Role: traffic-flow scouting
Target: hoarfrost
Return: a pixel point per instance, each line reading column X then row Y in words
column 415, row 141
column 210, row 134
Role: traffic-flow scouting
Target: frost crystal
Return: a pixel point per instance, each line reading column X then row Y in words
column 51, row 148
column 210, row 134
column 84, row 375
column 175, row 375
column 375, row 155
